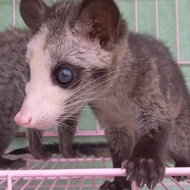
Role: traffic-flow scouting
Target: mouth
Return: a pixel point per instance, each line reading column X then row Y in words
column 41, row 127
column 27, row 121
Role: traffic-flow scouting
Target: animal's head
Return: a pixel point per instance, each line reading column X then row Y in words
column 72, row 57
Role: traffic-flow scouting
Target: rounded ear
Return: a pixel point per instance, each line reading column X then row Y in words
column 104, row 16
column 33, row 12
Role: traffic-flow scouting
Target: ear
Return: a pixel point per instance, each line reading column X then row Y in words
column 104, row 16
column 33, row 12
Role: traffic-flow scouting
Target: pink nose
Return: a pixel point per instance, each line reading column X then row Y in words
column 23, row 119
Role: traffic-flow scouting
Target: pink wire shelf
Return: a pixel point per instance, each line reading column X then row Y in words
column 85, row 173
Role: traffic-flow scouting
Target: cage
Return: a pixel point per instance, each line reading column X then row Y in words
column 169, row 21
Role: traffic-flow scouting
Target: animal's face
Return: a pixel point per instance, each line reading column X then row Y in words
column 69, row 59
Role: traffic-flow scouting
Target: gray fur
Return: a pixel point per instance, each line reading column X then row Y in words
column 12, row 82
column 12, row 45
column 131, row 81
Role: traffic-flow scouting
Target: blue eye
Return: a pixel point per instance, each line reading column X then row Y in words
column 65, row 75
column 28, row 72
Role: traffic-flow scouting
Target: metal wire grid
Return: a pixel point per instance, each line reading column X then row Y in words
column 49, row 175
column 59, row 173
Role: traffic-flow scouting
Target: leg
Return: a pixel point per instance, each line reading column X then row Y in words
column 121, row 143
column 36, row 146
column 146, row 164
column 66, row 134
column 179, row 144
column 8, row 131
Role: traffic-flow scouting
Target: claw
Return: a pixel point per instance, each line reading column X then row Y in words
column 152, row 186
column 123, row 165
column 142, row 184
column 128, row 176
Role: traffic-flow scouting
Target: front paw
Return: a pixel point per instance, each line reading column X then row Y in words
column 18, row 163
column 12, row 164
column 107, row 185
column 116, row 185
column 149, row 171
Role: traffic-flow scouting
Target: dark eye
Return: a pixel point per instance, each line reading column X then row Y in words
column 65, row 75
column 28, row 72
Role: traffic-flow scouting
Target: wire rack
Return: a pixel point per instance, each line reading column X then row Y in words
column 88, row 173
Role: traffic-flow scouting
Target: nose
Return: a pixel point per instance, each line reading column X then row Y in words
column 23, row 119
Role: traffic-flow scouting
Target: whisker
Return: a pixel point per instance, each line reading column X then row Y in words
column 90, row 89
column 20, row 90
column 60, row 125
column 14, row 100
column 13, row 108
column 21, row 73
column 69, row 109
column 39, row 138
